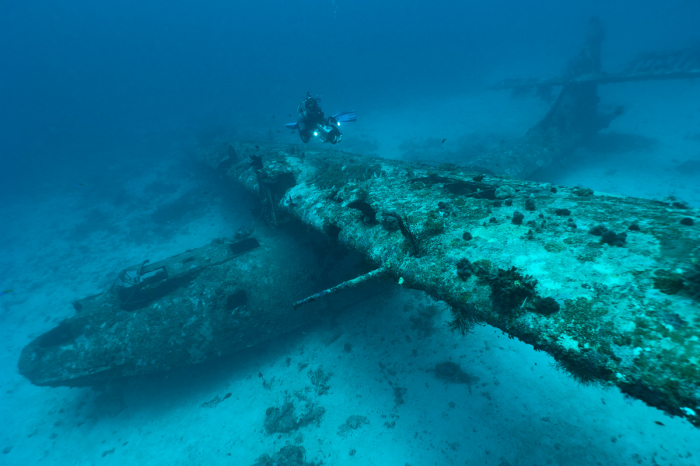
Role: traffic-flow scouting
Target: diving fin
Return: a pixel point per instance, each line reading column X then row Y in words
column 345, row 117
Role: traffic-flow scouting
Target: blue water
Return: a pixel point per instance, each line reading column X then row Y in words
column 79, row 76
column 102, row 104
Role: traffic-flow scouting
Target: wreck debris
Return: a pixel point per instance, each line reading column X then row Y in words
column 343, row 286
column 591, row 305
column 655, row 66
column 574, row 116
column 189, row 308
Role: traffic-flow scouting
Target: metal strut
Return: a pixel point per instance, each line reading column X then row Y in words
column 343, row 286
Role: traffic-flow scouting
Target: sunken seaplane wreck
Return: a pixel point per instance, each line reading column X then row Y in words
column 189, row 308
column 576, row 116
column 608, row 285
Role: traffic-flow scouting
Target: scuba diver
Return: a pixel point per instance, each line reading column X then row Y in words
column 312, row 122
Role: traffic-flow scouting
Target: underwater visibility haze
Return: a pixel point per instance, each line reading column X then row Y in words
column 493, row 258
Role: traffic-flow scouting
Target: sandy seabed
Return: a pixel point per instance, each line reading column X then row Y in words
column 378, row 347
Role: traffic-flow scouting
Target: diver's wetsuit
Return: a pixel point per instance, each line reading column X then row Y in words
column 312, row 121
column 309, row 114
